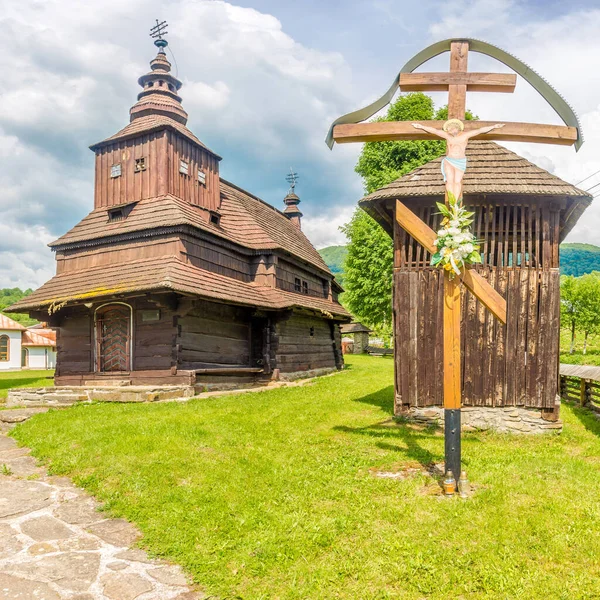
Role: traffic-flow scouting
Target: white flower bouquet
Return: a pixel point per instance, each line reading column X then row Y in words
column 456, row 245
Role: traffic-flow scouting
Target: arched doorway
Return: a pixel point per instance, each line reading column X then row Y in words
column 24, row 357
column 113, row 338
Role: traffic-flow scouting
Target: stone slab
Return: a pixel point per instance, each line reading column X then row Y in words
column 19, row 497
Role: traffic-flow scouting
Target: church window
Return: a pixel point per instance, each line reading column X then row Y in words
column 312, row 332
column 4, row 348
column 115, row 170
column 115, row 215
column 140, row 164
column 305, row 287
column 297, row 285
column 183, row 167
column 215, row 219
column 201, row 177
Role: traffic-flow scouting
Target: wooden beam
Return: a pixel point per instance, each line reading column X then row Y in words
column 485, row 293
column 457, row 93
column 475, row 82
column 474, row 281
column 386, row 131
column 452, row 365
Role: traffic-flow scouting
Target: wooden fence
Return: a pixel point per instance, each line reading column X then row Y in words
column 581, row 384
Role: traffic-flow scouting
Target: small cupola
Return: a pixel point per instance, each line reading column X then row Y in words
column 159, row 95
column 291, row 201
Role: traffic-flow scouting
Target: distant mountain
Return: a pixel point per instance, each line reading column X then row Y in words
column 575, row 259
column 579, row 259
column 334, row 257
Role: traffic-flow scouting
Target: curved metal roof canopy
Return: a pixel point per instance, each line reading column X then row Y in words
column 556, row 101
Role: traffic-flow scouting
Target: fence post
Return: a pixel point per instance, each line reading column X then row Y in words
column 582, row 392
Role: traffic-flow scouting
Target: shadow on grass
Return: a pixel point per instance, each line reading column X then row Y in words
column 587, row 417
column 394, row 436
column 383, row 398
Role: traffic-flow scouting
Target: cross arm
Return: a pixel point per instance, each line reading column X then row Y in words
column 475, row 82
column 476, row 283
column 386, row 131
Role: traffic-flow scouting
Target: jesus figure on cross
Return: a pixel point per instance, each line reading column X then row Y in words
column 454, row 164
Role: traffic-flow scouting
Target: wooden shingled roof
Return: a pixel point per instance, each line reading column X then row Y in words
column 165, row 273
column 492, row 170
column 148, row 124
column 245, row 220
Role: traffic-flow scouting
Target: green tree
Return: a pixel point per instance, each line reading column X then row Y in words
column 368, row 266
column 368, row 273
column 588, row 294
column 569, row 305
column 9, row 296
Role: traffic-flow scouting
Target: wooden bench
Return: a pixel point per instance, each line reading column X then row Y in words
column 376, row 351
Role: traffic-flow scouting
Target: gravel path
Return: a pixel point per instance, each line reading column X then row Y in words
column 55, row 545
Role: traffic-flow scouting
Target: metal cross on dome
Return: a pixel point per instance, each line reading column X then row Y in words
column 458, row 81
column 157, row 33
column 291, row 178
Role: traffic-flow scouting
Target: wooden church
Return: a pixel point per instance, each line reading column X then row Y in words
column 178, row 276
column 522, row 214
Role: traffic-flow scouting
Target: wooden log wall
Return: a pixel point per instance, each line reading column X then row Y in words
column 161, row 152
column 512, row 365
column 297, row 350
column 154, row 342
column 218, row 259
column 74, row 343
column 187, row 186
column 131, row 185
column 286, row 279
column 214, row 335
column 117, row 253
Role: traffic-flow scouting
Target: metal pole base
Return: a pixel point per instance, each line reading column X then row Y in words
column 452, row 441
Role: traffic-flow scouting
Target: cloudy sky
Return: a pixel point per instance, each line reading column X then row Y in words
column 263, row 79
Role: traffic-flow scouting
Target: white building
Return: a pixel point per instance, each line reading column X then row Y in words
column 26, row 348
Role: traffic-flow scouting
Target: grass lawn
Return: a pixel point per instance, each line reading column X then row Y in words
column 271, row 495
column 591, row 357
column 19, row 379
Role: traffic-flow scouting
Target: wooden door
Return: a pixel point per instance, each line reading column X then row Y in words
column 113, row 338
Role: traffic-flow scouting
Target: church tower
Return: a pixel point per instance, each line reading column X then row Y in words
column 156, row 154
column 179, row 277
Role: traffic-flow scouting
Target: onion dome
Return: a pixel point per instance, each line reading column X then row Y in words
column 291, row 211
column 159, row 94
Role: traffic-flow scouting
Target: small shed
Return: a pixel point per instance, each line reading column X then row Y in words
column 360, row 333
column 522, row 213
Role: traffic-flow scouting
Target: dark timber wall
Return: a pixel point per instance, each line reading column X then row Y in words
column 305, row 343
column 214, row 335
column 512, row 365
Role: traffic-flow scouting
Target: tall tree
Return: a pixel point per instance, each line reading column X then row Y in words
column 369, row 264
column 588, row 293
column 569, row 305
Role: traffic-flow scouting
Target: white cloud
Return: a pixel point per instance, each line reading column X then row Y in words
column 254, row 94
column 324, row 230
column 564, row 50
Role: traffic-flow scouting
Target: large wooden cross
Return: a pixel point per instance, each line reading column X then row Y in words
column 457, row 82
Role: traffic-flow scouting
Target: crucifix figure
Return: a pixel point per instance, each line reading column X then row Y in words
column 454, row 164
column 457, row 134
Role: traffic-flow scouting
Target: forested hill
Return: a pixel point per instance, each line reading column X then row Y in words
column 575, row 259
column 9, row 296
column 579, row 259
column 334, row 257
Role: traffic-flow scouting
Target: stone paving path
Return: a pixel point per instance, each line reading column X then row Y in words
column 55, row 545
